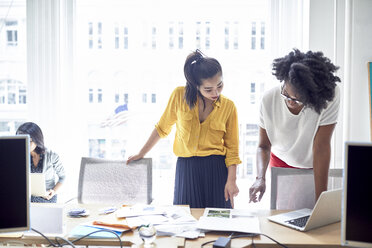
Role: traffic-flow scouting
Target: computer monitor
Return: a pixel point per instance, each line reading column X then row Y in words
column 14, row 183
column 357, row 193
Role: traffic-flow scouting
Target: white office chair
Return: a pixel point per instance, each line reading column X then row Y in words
column 295, row 189
column 114, row 182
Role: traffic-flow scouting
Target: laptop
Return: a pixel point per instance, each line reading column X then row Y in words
column 327, row 210
column 38, row 187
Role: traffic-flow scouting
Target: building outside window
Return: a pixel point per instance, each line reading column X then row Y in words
column 236, row 35
column 90, row 35
column 222, row 34
column 126, row 98
column 171, row 35
column 97, row 148
column 11, row 32
column 144, row 98
column 91, row 97
column 262, row 36
column 207, row 35
column 117, row 37
column 99, row 37
column 198, row 35
column 253, row 36
column 180, row 35
column 229, row 32
column 99, row 95
column 170, row 40
column 126, row 38
column 153, row 37
column 12, row 92
column 253, row 93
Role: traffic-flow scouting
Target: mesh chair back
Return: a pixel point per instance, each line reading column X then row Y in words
column 114, row 182
column 295, row 188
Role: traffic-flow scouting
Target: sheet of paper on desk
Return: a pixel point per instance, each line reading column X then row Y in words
column 234, row 220
column 161, row 215
column 188, row 230
column 138, row 210
column 179, row 214
column 180, row 223
column 175, row 221
column 146, row 220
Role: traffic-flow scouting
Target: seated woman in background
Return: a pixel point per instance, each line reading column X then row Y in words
column 43, row 161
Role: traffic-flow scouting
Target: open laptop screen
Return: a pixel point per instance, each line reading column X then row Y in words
column 357, row 211
column 14, row 190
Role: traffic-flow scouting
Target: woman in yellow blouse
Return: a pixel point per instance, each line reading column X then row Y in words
column 207, row 137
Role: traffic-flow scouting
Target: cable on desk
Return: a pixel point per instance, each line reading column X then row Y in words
column 206, row 243
column 251, row 235
column 102, row 230
column 71, row 243
column 45, row 237
column 66, row 240
column 280, row 244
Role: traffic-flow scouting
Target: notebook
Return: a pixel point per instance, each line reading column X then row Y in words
column 38, row 187
column 327, row 210
column 46, row 218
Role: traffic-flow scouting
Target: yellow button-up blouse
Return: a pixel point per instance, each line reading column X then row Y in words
column 216, row 135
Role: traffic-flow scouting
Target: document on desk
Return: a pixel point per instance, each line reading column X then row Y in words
column 167, row 220
column 139, row 210
column 234, row 220
column 107, row 222
column 180, row 223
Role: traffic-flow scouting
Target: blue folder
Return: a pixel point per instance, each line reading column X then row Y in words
column 82, row 230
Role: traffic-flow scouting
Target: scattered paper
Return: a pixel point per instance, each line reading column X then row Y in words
column 138, row 210
column 233, row 220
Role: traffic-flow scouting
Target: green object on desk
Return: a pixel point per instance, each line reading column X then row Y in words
column 82, row 230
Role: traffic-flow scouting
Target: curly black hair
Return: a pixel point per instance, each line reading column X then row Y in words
column 311, row 75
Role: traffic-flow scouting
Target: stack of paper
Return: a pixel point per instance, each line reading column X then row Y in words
column 168, row 220
column 108, row 222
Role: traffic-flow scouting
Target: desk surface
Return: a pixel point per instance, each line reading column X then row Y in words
column 327, row 236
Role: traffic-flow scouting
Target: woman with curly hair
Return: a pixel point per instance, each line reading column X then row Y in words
column 297, row 119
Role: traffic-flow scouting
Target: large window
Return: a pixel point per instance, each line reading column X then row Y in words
column 148, row 52
column 111, row 70
column 13, row 77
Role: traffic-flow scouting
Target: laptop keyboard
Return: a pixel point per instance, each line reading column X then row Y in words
column 300, row 222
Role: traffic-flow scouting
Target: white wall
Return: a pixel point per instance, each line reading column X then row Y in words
column 342, row 30
column 360, row 53
column 326, row 34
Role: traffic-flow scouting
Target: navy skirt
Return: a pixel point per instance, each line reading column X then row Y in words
column 200, row 182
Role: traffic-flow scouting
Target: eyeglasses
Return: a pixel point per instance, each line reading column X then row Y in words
column 287, row 98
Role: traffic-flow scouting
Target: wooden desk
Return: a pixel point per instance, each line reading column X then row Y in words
column 327, row 236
